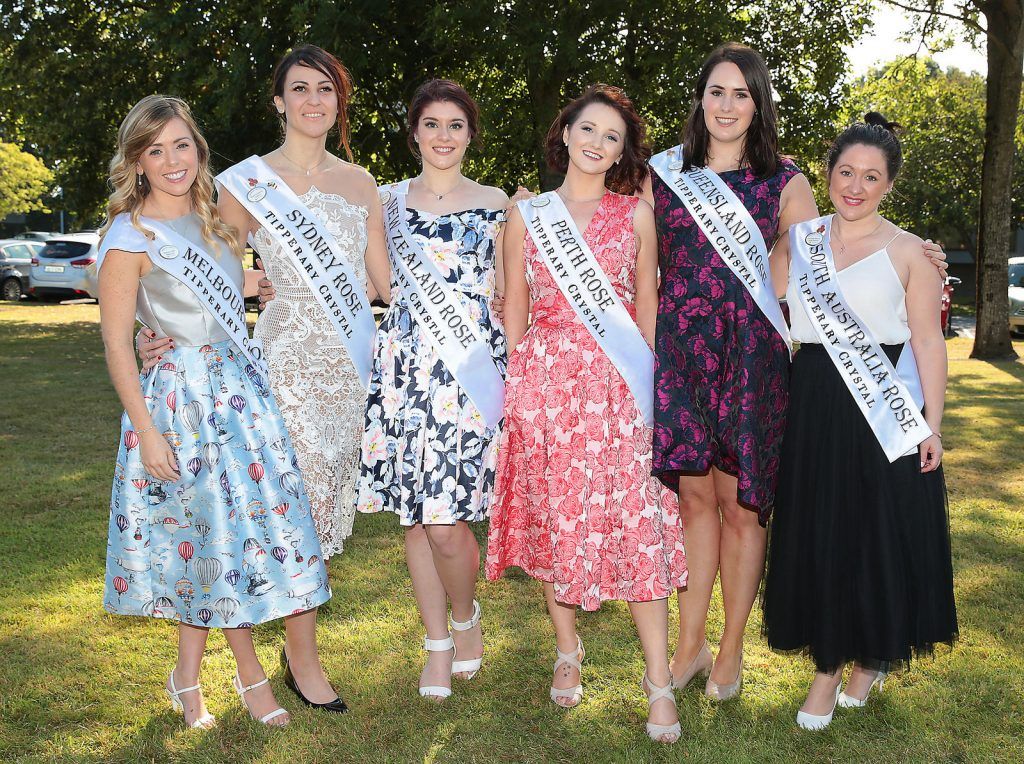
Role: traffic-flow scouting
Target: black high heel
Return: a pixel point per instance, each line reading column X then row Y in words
column 336, row 706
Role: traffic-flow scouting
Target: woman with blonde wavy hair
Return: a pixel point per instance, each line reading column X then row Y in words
column 210, row 525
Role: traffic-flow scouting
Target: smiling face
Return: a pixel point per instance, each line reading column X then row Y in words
column 442, row 134
column 596, row 139
column 858, row 181
column 309, row 102
column 170, row 163
column 727, row 103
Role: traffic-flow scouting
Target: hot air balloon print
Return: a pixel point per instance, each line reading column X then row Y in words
column 208, row 571
column 185, row 552
column 226, row 607
column 172, row 399
column 290, row 482
column 232, row 576
column 168, row 366
column 120, row 586
column 162, row 606
column 313, row 560
column 192, row 416
column 211, row 455
column 256, row 472
column 122, row 522
column 194, row 465
column 279, row 553
column 244, row 625
column 202, row 528
column 140, row 483
column 171, row 524
column 237, row 402
column 184, row 589
column 131, row 439
column 281, row 509
column 205, row 614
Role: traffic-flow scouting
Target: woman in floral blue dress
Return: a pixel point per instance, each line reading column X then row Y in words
column 427, row 454
column 209, row 525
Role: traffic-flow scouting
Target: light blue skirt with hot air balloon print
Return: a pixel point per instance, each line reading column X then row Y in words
column 232, row 542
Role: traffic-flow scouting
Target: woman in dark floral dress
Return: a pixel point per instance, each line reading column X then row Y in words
column 722, row 367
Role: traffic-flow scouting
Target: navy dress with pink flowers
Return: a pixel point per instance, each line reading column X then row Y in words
column 721, row 379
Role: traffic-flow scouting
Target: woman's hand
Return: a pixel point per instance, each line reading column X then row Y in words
column 151, row 348
column 157, row 456
column 522, row 192
column 931, row 453
column 934, row 253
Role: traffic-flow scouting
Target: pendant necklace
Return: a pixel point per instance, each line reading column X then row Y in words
column 308, row 171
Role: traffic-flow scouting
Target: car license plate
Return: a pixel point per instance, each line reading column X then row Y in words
column 53, row 268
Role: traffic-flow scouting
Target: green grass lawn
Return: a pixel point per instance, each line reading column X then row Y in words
column 79, row 685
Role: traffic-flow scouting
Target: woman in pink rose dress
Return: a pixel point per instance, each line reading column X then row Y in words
column 575, row 504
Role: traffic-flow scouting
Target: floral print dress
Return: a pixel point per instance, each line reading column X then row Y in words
column 575, row 503
column 427, row 454
column 722, row 372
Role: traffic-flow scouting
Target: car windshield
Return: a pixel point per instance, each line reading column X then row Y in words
column 1017, row 274
column 65, row 250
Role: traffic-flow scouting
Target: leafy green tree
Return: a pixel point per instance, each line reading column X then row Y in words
column 938, row 194
column 23, row 181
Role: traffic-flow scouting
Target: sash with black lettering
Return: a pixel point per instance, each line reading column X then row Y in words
column 200, row 271
column 888, row 396
column 440, row 313
column 586, row 287
column 313, row 250
column 729, row 228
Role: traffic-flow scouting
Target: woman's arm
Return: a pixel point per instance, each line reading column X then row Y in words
column 795, row 206
column 378, row 267
column 646, row 271
column 517, row 291
column 250, row 287
column 924, row 304
column 647, row 189
column 119, row 285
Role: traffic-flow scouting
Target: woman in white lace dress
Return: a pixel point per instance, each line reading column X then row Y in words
column 318, row 390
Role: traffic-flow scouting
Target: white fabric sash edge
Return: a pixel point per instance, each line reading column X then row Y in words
column 440, row 313
column 313, row 251
column 590, row 293
column 890, row 397
column 701, row 189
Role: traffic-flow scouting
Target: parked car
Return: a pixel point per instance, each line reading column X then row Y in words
column 16, row 267
column 946, row 316
column 66, row 266
column 37, row 235
column 1016, row 295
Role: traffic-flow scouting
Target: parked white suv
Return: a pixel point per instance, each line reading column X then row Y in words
column 66, row 266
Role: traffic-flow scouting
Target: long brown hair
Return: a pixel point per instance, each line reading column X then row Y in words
column 761, row 143
column 328, row 65
column 434, row 91
column 139, row 131
column 628, row 175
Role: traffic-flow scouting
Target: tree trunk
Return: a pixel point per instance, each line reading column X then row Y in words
column 1005, row 45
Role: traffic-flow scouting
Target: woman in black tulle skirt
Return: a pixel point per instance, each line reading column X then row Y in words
column 859, row 567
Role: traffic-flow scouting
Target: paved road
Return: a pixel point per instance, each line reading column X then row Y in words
column 964, row 326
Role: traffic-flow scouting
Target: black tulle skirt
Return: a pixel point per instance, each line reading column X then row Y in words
column 859, row 564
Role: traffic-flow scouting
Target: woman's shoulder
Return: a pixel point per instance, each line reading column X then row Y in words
column 490, row 197
column 123, row 235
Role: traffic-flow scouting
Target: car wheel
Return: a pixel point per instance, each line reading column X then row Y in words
column 11, row 290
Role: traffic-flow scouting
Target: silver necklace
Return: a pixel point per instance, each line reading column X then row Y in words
column 308, row 171
column 842, row 244
column 436, row 195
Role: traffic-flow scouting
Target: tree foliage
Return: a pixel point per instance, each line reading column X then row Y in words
column 938, row 194
column 24, row 179
column 522, row 59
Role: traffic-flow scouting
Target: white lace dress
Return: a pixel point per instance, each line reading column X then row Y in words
column 311, row 373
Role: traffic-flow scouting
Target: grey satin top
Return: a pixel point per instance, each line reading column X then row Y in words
column 169, row 308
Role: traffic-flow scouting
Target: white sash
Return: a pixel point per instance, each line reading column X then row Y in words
column 203, row 275
column 729, row 228
column 587, row 289
column 885, row 394
column 314, row 252
column 440, row 313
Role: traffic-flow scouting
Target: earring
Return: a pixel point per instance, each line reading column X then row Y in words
column 139, row 177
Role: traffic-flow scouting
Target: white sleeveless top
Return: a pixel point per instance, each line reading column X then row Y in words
column 874, row 291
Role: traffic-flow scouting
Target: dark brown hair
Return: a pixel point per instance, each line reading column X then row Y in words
column 628, row 175
column 436, row 91
column 333, row 69
column 875, row 131
column 761, row 143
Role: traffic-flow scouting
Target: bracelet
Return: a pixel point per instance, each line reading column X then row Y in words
column 144, row 430
column 937, row 433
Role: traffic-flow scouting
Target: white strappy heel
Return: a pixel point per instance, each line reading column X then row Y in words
column 206, row 721
column 472, row 665
column 575, row 694
column 848, row 701
column 242, row 689
column 438, row 646
column 656, row 731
